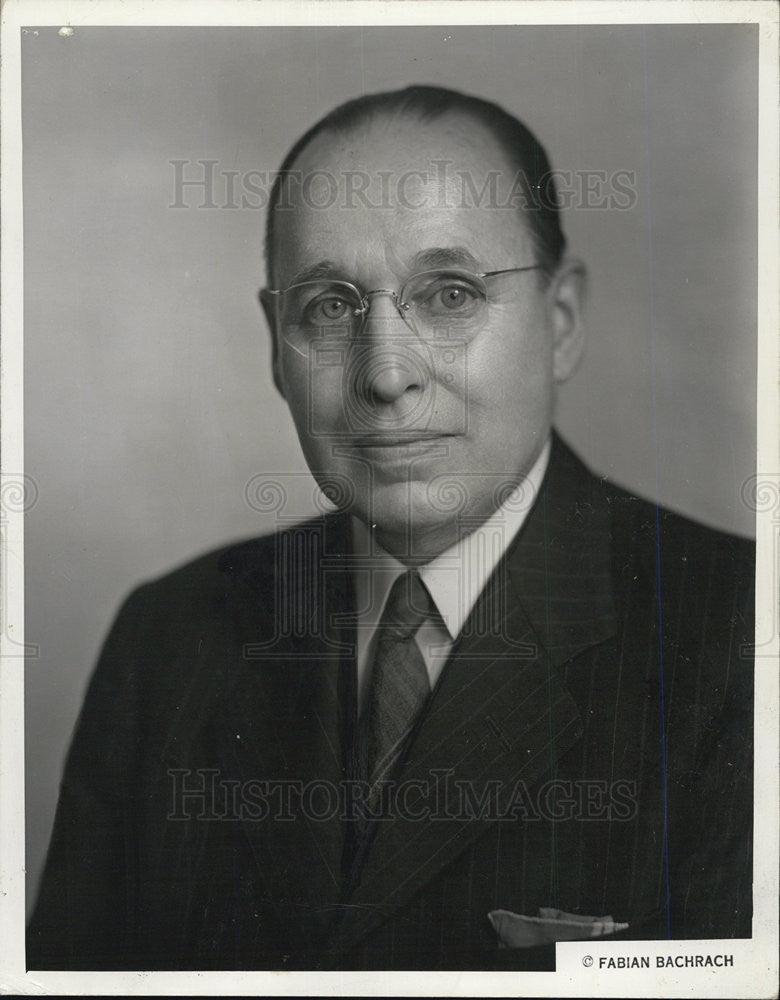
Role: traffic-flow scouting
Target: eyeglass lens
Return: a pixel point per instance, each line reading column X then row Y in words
column 434, row 302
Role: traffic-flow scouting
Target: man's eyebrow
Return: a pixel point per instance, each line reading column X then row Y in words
column 445, row 257
column 322, row 269
column 431, row 257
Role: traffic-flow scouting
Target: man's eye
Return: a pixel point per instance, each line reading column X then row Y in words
column 454, row 297
column 328, row 310
column 451, row 298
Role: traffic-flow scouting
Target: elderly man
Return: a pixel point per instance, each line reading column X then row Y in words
column 492, row 701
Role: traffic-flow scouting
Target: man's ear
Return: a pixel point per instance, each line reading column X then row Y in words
column 268, row 303
column 566, row 297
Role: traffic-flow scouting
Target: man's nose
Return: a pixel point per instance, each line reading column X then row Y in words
column 391, row 360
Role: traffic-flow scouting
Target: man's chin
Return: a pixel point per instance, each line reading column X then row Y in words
column 407, row 517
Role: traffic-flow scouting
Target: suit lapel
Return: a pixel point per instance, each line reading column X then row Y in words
column 500, row 716
column 560, row 566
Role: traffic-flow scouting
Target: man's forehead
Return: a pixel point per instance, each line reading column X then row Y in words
column 402, row 193
column 359, row 244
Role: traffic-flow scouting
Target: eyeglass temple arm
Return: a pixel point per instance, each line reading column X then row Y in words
column 509, row 270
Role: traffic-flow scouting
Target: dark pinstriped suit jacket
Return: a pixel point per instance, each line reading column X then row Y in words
column 595, row 719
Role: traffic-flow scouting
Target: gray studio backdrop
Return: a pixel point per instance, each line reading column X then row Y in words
column 149, row 406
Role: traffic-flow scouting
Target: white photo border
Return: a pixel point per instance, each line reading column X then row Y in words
column 755, row 968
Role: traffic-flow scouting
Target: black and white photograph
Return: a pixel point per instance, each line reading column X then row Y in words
column 390, row 499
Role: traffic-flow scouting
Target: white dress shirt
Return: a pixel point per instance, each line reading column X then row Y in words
column 454, row 579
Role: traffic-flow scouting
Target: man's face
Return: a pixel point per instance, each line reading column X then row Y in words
column 427, row 425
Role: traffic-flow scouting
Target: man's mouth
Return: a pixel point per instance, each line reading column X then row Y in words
column 398, row 440
column 392, row 449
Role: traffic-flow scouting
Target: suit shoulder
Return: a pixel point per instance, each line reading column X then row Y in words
column 207, row 569
column 638, row 523
column 251, row 560
column 178, row 638
column 699, row 580
column 670, row 536
column 646, row 532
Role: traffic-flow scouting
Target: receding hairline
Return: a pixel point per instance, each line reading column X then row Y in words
column 418, row 105
column 463, row 130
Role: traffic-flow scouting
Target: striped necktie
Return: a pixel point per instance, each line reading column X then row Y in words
column 399, row 680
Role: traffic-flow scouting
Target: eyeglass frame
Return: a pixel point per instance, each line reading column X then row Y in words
column 401, row 306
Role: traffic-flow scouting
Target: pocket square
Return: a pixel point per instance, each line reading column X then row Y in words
column 517, row 931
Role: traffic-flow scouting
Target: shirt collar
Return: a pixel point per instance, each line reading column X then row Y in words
column 457, row 576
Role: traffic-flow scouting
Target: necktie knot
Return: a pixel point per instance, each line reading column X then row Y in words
column 408, row 605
